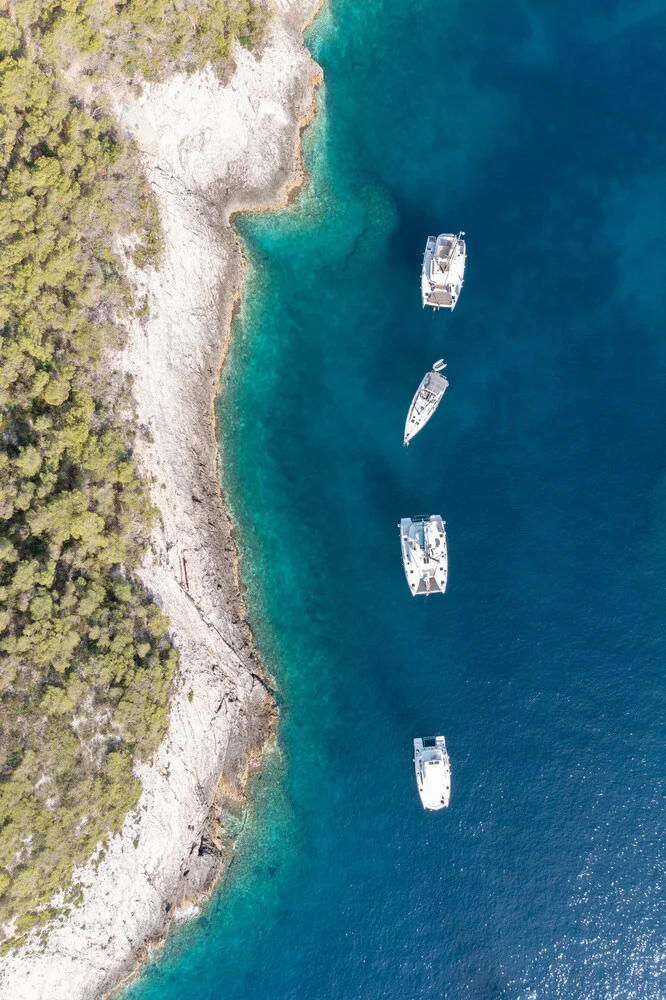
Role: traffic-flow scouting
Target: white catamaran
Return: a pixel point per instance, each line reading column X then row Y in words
column 424, row 554
column 443, row 270
column 433, row 772
column 426, row 400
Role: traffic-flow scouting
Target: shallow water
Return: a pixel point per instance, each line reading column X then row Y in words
column 539, row 128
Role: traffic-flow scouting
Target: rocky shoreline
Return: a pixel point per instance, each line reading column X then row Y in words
column 209, row 150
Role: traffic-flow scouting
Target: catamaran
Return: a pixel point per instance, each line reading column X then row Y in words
column 433, row 772
column 424, row 554
column 426, row 400
column 443, row 270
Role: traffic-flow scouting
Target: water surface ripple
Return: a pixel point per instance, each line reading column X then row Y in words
column 539, row 128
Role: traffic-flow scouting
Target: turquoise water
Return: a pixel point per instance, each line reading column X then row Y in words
column 540, row 129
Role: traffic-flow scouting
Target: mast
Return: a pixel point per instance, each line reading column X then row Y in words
column 456, row 241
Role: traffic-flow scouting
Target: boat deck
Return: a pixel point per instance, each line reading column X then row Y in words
column 442, row 299
column 429, row 587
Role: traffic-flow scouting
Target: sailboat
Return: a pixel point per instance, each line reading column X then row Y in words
column 443, row 270
column 425, row 557
column 433, row 772
column 427, row 399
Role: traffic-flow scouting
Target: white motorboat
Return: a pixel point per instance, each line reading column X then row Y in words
column 427, row 399
column 433, row 772
column 424, row 554
column 443, row 270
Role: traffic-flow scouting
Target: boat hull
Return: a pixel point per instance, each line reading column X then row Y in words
column 443, row 271
column 427, row 398
column 432, row 767
column 424, row 554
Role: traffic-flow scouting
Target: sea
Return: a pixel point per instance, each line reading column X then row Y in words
column 539, row 128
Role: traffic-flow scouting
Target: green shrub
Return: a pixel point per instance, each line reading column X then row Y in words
column 142, row 38
column 85, row 664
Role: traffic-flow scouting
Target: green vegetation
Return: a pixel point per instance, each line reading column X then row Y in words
column 85, row 664
column 141, row 38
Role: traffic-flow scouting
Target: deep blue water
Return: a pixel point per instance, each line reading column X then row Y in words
column 540, row 129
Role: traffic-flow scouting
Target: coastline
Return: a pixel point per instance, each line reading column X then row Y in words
column 209, row 151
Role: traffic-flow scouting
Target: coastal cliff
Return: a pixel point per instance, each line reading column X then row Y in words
column 209, row 150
